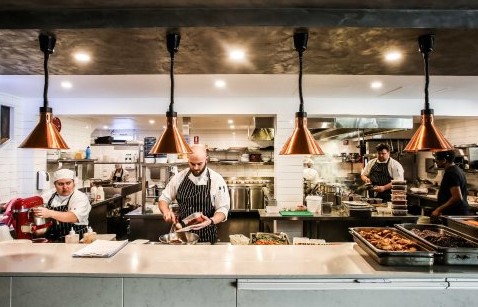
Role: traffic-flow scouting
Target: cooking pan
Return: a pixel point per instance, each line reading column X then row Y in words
column 365, row 187
column 179, row 238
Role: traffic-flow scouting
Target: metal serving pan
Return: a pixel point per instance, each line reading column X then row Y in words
column 449, row 255
column 423, row 257
column 458, row 223
column 358, row 209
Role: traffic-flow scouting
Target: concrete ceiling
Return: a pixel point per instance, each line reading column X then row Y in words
column 347, row 42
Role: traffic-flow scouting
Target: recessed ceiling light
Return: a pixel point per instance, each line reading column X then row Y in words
column 393, row 56
column 237, row 55
column 376, row 84
column 66, row 84
column 151, row 121
column 105, row 127
column 82, row 57
column 164, row 127
column 220, row 84
column 232, row 126
column 230, row 121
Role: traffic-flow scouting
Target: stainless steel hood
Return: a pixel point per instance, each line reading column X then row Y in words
column 342, row 128
column 263, row 129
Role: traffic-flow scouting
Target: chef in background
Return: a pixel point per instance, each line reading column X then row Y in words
column 452, row 195
column 197, row 189
column 66, row 205
column 119, row 174
column 310, row 174
column 381, row 171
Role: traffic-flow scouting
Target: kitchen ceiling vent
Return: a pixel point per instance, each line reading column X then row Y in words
column 343, row 128
column 263, row 129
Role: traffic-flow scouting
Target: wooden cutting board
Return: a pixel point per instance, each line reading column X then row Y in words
column 296, row 213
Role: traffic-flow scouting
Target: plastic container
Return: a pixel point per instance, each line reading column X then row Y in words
column 100, row 195
column 399, row 187
column 190, row 220
column 88, row 153
column 399, row 202
column 397, row 212
column 90, row 236
column 399, row 197
column 72, row 237
column 399, row 207
column 399, row 182
column 314, row 203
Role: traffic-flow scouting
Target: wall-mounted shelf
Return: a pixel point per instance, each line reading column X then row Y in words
column 72, row 161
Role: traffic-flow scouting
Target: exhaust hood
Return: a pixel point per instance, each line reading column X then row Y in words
column 342, row 128
column 263, row 129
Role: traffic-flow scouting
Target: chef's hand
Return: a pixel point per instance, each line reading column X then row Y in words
column 436, row 212
column 169, row 217
column 207, row 222
column 379, row 188
column 367, row 180
column 42, row 212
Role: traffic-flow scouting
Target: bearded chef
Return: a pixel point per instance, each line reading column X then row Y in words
column 197, row 189
column 67, row 206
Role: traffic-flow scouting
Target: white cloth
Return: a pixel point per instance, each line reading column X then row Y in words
column 79, row 204
column 395, row 169
column 63, row 174
column 219, row 191
column 311, row 175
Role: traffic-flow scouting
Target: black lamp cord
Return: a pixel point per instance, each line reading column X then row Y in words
column 427, row 80
column 171, row 77
column 45, row 87
column 301, row 107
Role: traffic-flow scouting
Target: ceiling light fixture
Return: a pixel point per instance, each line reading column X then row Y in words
column 237, row 55
column 152, row 121
column 427, row 137
column 301, row 141
column 82, row 57
column 171, row 141
column 230, row 121
column 46, row 134
column 66, row 84
column 220, row 84
column 393, row 56
column 376, row 85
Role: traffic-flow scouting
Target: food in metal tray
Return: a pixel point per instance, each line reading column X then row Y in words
column 443, row 240
column 389, row 240
column 263, row 238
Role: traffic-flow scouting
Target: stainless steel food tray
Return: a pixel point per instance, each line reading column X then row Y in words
column 457, row 223
column 448, row 255
column 423, row 257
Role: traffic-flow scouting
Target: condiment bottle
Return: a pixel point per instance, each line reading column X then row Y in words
column 88, row 152
column 72, row 237
column 90, row 236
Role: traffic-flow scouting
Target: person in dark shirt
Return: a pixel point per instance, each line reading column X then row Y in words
column 452, row 195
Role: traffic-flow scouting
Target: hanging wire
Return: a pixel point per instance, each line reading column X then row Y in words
column 427, row 80
column 301, row 106
column 45, row 86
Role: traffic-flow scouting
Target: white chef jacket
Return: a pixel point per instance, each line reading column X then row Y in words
column 219, row 192
column 79, row 204
column 311, row 174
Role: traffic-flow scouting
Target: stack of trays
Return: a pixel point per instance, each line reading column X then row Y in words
column 399, row 197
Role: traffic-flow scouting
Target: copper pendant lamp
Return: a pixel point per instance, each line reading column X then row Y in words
column 45, row 135
column 427, row 137
column 171, row 141
column 301, row 142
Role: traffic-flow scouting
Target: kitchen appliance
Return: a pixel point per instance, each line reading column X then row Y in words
column 26, row 225
column 247, row 193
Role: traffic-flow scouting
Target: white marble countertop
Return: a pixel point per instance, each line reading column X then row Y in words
column 343, row 260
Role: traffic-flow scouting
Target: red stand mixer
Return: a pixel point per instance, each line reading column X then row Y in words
column 19, row 213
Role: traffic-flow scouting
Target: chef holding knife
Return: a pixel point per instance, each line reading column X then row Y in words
column 197, row 189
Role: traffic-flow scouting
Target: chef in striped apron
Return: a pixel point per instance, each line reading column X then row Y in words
column 68, row 207
column 381, row 171
column 197, row 189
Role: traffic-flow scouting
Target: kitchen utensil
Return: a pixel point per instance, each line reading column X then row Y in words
column 179, row 238
column 363, row 188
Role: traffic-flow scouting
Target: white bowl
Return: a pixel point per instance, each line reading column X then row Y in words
column 272, row 209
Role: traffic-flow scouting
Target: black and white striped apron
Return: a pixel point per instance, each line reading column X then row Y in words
column 58, row 231
column 380, row 176
column 118, row 176
column 197, row 198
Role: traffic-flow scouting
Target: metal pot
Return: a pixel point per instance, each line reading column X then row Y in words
column 179, row 238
